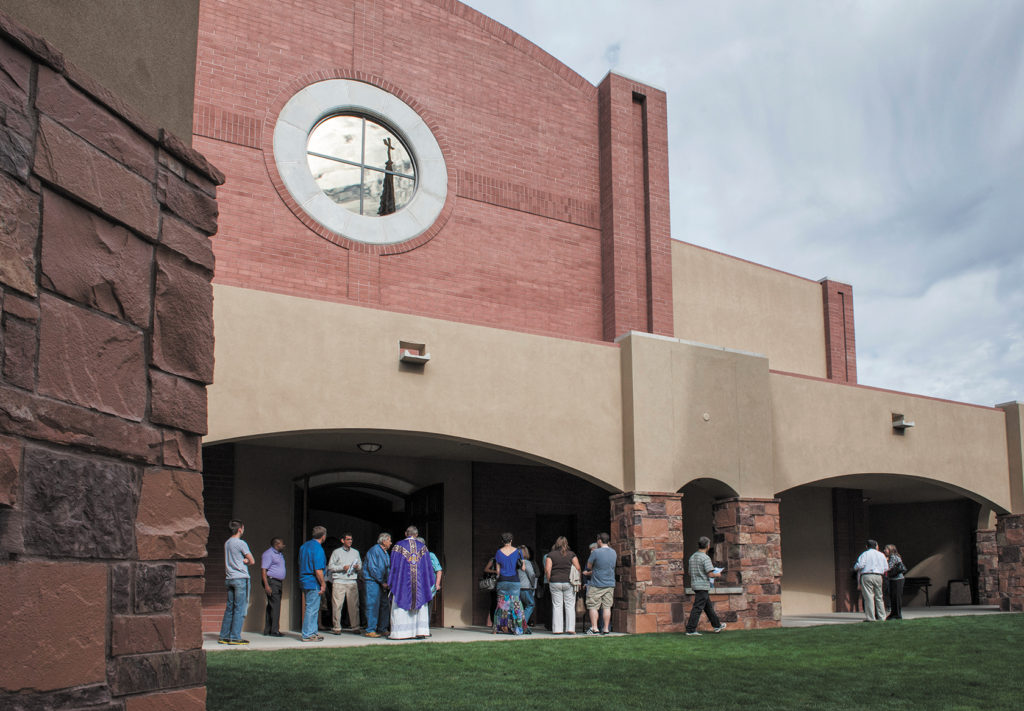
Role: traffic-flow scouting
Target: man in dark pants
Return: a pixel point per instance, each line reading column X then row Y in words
column 272, row 565
column 701, row 572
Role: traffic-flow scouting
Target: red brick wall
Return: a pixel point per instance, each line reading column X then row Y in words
column 508, row 497
column 106, row 348
column 219, row 497
column 636, row 247
column 521, row 247
column 840, row 342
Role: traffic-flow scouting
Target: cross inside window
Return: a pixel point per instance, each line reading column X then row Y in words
column 361, row 164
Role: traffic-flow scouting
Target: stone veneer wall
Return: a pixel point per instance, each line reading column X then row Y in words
column 748, row 540
column 1010, row 542
column 650, row 595
column 647, row 534
column 106, row 348
column 988, row 567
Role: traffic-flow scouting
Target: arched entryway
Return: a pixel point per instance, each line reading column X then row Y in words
column 460, row 494
column 699, row 497
column 825, row 525
column 364, row 504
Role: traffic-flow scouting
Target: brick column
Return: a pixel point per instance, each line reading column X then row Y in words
column 748, row 540
column 1010, row 543
column 647, row 533
column 840, row 341
column 636, row 245
column 106, row 348
column 988, row 566
column 219, row 496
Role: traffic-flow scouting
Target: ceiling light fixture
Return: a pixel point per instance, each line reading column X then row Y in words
column 369, row 447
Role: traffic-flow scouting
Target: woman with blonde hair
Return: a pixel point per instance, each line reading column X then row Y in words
column 563, row 597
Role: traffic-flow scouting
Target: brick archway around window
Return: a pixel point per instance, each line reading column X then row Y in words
column 267, row 147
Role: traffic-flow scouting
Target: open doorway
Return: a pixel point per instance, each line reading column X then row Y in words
column 364, row 504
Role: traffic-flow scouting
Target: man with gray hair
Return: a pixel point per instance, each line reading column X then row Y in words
column 376, row 567
column 701, row 572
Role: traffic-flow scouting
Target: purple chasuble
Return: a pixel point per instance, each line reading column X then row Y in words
column 411, row 575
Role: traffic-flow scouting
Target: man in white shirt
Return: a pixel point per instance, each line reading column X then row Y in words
column 871, row 566
column 344, row 568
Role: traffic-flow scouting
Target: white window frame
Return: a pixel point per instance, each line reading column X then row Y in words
column 335, row 96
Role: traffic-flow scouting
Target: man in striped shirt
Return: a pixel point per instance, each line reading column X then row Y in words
column 701, row 572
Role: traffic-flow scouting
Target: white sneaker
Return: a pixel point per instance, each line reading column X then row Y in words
column 694, row 634
column 719, row 629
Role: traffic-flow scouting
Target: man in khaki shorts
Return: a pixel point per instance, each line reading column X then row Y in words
column 600, row 590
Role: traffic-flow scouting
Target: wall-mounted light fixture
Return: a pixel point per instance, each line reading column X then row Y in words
column 413, row 353
column 900, row 424
column 369, row 447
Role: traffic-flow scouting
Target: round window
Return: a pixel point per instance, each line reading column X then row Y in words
column 361, row 165
column 360, row 162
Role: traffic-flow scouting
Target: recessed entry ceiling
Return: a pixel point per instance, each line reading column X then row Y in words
column 393, row 444
column 892, row 489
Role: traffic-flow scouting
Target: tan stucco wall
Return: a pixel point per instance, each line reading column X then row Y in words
column 144, row 52
column 665, row 413
column 825, row 429
column 725, row 301
column 808, row 556
column 286, row 364
column 264, row 481
column 693, row 411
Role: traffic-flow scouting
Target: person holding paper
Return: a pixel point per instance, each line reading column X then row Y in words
column 702, row 571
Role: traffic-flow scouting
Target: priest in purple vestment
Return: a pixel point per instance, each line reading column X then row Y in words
column 410, row 580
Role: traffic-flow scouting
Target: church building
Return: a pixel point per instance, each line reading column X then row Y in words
column 446, row 293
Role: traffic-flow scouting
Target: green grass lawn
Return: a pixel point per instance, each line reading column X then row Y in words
column 944, row 663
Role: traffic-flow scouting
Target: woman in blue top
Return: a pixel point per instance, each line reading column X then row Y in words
column 508, row 615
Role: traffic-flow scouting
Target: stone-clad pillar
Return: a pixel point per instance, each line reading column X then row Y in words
column 748, row 541
column 1010, row 542
column 647, row 533
column 106, row 349
column 988, row 566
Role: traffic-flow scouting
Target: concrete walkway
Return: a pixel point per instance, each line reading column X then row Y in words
column 348, row 639
column 483, row 634
column 909, row 613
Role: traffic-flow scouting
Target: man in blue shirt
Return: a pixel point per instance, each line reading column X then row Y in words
column 272, row 565
column 600, row 591
column 376, row 568
column 312, row 562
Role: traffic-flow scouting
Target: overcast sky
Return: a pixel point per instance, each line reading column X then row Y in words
column 877, row 143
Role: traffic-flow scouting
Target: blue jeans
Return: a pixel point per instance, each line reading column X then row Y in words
column 312, row 615
column 234, row 612
column 526, row 597
column 378, row 608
